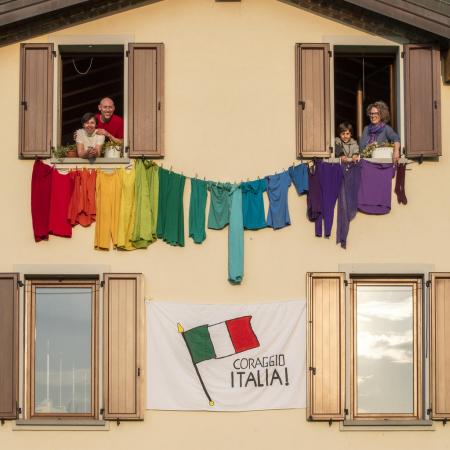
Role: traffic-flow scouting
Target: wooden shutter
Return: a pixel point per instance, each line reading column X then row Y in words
column 9, row 338
column 313, row 99
column 440, row 345
column 422, row 100
column 36, row 100
column 326, row 346
column 145, row 100
column 123, row 341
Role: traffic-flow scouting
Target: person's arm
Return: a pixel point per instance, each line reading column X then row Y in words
column 82, row 151
column 395, row 138
column 107, row 134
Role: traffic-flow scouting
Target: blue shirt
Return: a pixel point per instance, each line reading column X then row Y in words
column 253, row 204
column 277, row 190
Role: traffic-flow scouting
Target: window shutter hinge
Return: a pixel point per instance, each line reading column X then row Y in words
column 330, row 149
column 54, row 53
column 330, row 422
column 345, row 282
column 159, row 106
column 428, row 284
column 102, row 283
column 118, row 421
column 127, row 149
column 429, row 411
column 402, row 54
column 444, row 422
column 139, row 372
column 20, row 283
column 313, row 370
column 330, row 53
column 435, row 104
column 18, row 409
column 302, row 103
column 345, row 412
column 102, row 411
column 24, row 103
column 2, row 421
column 127, row 53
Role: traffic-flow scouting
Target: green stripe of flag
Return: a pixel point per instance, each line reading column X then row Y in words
column 199, row 343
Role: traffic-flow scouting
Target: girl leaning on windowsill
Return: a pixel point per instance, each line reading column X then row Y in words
column 378, row 131
column 89, row 144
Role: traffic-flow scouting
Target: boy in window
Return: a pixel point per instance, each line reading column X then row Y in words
column 346, row 147
column 109, row 124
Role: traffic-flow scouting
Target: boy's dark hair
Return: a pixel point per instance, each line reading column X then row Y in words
column 86, row 117
column 345, row 126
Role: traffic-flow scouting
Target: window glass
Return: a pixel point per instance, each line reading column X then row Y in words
column 385, row 349
column 63, row 346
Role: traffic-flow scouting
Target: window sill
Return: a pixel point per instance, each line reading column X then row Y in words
column 387, row 425
column 61, row 424
column 96, row 161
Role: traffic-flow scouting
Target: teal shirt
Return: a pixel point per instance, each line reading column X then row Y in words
column 219, row 207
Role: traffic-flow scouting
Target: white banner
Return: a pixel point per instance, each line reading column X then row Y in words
column 226, row 357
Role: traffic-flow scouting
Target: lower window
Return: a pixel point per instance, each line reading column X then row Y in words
column 386, row 348
column 62, row 348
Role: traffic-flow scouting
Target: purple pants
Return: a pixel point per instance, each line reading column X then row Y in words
column 330, row 176
column 348, row 201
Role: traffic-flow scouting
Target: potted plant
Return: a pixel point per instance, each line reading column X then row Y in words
column 112, row 150
column 382, row 150
column 65, row 151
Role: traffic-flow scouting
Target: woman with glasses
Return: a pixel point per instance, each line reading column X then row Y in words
column 378, row 131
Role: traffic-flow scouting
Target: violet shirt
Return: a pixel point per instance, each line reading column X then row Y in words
column 375, row 190
column 277, row 190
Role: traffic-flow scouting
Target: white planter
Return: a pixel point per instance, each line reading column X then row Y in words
column 112, row 152
column 383, row 152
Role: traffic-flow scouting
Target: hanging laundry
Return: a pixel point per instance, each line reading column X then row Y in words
column 253, row 204
column 146, row 203
column 62, row 188
column 330, row 176
column 125, row 225
column 82, row 209
column 314, row 196
column 236, row 237
column 299, row 176
column 197, row 207
column 108, row 195
column 348, row 200
column 41, row 188
column 376, row 187
column 170, row 226
column 277, row 191
column 219, row 207
column 400, row 184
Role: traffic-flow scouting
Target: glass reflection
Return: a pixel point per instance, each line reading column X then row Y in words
column 63, row 350
column 385, row 349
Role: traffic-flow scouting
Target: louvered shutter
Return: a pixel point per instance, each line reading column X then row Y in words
column 422, row 100
column 145, row 100
column 326, row 346
column 313, row 99
column 123, row 347
column 36, row 100
column 9, row 338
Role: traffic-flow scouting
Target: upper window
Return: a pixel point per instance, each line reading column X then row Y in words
column 363, row 75
column 85, row 74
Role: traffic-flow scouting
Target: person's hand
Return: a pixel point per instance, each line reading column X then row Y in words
column 355, row 157
column 395, row 157
column 92, row 152
column 344, row 159
column 102, row 132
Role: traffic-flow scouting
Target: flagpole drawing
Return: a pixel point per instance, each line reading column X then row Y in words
column 181, row 331
column 217, row 341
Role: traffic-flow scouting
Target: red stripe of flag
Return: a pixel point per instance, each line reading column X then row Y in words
column 242, row 334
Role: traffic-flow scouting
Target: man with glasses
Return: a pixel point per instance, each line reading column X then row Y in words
column 109, row 124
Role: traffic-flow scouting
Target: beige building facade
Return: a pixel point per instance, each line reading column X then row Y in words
column 230, row 115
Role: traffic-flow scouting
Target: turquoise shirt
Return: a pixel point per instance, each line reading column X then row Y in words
column 236, row 237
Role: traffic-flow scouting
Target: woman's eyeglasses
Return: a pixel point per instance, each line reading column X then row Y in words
column 373, row 114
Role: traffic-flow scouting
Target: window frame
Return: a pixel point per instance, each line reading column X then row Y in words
column 30, row 317
column 419, row 386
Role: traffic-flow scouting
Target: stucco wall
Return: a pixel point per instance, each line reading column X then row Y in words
column 229, row 115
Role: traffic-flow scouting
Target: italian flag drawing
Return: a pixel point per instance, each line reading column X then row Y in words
column 217, row 341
